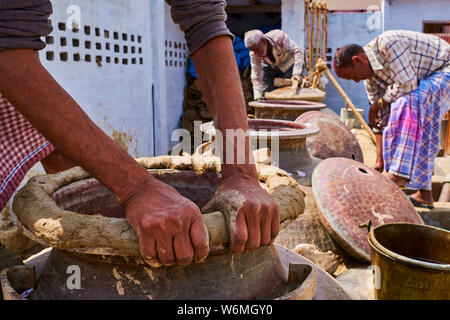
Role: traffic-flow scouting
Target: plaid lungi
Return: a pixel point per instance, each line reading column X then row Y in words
column 21, row 147
column 411, row 137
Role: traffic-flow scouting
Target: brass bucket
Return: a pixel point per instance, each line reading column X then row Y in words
column 410, row 262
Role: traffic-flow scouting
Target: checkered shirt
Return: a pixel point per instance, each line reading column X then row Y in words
column 21, row 147
column 400, row 59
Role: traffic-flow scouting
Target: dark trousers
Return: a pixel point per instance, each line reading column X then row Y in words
column 269, row 75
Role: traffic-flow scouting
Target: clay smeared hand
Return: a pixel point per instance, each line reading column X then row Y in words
column 252, row 214
column 169, row 227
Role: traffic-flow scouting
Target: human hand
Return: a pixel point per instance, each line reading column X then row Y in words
column 296, row 78
column 252, row 214
column 379, row 166
column 373, row 116
column 169, row 227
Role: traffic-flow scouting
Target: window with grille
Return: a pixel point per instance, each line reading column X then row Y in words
column 438, row 28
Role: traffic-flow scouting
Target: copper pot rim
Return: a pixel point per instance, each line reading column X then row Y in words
column 37, row 218
column 296, row 130
column 288, row 104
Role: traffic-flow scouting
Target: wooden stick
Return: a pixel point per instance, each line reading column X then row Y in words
column 323, row 66
column 311, row 45
column 307, row 14
column 318, row 12
column 324, row 30
column 316, row 80
column 447, row 136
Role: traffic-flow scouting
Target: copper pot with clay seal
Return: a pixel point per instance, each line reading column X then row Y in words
column 80, row 219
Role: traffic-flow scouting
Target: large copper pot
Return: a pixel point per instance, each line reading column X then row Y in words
column 80, row 218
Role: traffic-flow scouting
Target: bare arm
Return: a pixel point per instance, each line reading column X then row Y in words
column 34, row 92
column 257, row 222
column 163, row 220
column 379, row 164
column 257, row 77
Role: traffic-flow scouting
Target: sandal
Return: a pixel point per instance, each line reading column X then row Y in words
column 418, row 204
column 405, row 190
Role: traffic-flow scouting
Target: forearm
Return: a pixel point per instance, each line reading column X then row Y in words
column 221, row 85
column 299, row 61
column 257, row 77
column 51, row 110
column 379, row 146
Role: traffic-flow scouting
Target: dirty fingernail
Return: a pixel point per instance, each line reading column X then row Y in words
column 152, row 263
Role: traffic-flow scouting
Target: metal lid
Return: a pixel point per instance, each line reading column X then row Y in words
column 349, row 194
column 333, row 140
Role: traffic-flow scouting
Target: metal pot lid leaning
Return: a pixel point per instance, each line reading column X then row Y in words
column 349, row 194
column 333, row 140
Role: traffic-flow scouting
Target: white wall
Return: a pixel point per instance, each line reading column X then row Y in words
column 410, row 14
column 132, row 94
column 293, row 20
column 175, row 64
column 116, row 91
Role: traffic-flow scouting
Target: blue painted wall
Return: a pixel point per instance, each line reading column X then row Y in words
column 346, row 28
column 410, row 14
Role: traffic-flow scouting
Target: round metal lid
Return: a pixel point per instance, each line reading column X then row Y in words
column 349, row 194
column 271, row 128
column 333, row 140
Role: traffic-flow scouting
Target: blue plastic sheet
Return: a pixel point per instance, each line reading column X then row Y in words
column 241, row 52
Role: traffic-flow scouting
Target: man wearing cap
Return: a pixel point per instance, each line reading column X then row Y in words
column 39, row 120
column 272, row 55
column 407, row 78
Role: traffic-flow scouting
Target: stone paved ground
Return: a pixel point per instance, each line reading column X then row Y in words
column 367, row 146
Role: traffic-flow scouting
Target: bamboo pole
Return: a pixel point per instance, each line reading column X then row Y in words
column 447, row 136
column 324, row 30
column 318, row 12
column 311, row 45
column 307, row 25
column 321, row 65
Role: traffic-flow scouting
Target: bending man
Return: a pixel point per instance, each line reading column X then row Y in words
column 272, row 55
column 407, row 78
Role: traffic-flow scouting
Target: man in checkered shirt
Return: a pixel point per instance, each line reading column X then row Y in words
column 169, row 227
column 407, row 78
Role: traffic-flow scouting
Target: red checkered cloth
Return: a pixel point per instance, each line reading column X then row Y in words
column 21, row 147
